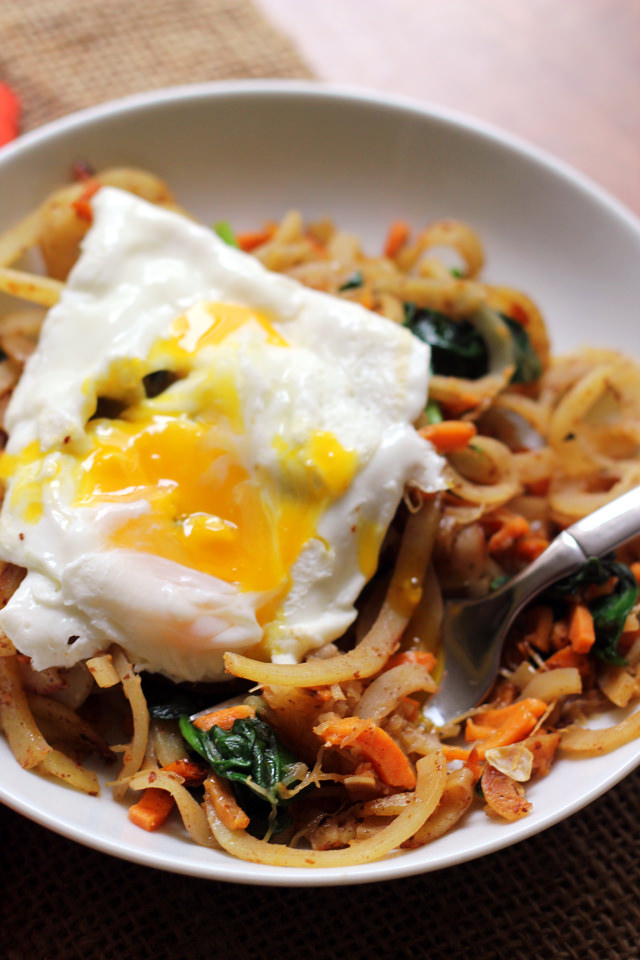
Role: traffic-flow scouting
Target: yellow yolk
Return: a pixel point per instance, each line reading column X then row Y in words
column 369, row 539
column 207, row 511
column 210, row 323
column 320, row 465
column 180, row 453
column 24, row 468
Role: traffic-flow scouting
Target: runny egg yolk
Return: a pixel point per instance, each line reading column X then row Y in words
column 184, row 455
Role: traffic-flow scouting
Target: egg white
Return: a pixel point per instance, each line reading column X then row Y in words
column 342, row 372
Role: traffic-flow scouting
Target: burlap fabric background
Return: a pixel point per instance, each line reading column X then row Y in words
column 569, row 894
column 62, row 55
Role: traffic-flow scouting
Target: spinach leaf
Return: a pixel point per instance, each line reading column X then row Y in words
column 594, row 571
column 609, row 612
column 173, row 709
column 167, row 700
column 528, row 366
column 457, row 349
column 353, row 282
column 252, row 757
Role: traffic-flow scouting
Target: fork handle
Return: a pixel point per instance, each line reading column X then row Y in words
column 609, row 526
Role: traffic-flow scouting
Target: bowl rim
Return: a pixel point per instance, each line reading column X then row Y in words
column 231, row 870
column 323, row 90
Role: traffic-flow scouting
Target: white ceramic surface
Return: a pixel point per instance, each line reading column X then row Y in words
column 247, row 151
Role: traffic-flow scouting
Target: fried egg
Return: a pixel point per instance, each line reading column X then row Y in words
column 203, row 455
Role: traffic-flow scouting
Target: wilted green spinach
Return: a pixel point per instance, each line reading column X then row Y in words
column 609, row 611
column 257, row 764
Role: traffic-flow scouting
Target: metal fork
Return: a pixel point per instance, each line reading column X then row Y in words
column 473, row 631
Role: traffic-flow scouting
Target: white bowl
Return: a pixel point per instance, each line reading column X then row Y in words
column 248, row 151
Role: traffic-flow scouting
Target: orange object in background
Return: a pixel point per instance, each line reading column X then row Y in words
column 9, row 114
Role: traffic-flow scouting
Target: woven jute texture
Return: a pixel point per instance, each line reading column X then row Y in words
column 568, row 894
column 61, row 55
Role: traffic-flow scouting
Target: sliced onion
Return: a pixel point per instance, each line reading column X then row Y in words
column 431, row 780
column 192, row 814
column 383, row 695
column 59, row 765
column 498, row 338
column 25, row 739
column 500, row 463
column 134, row 751
column 584, row 741
column 515, row 761
column 553, row 684
column 20, row 238
column 454, row 803
column 68, row 724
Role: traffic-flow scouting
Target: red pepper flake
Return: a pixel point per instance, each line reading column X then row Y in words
column 517, row 312
column 9, row 114
column 81, row 171
column 82, row 205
